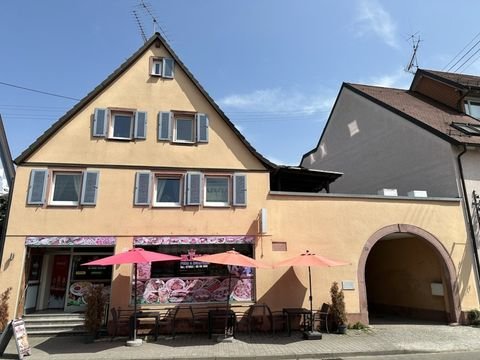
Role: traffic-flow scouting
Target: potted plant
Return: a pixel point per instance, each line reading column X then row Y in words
column 338, row 309
column 96, row 301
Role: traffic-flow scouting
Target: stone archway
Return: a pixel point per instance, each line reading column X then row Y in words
column 447, row 265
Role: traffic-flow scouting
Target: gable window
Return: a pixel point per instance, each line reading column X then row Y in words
column 162, row 67
column 183, row 127
column 167, row 191
column 472, row 108
column 120, row 124
column 65, row 188
column 217, row 192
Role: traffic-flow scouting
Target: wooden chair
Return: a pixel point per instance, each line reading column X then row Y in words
column 258, row 317
column 119, row 319
column 167, row 321
column 322, row 316
column 199, row 319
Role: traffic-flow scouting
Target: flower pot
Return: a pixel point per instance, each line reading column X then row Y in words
column 342, row 329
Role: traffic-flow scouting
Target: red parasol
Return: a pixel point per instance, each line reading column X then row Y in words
column 309, row 259
column 234, row 258
column 133, row 256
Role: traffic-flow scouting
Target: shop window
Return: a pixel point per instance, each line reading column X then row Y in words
column 66, row 188
column 118, row 124
column 186, row 128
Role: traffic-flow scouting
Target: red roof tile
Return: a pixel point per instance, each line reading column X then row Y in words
column 425, row 112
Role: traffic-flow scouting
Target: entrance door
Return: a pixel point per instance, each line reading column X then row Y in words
column 58, row 281
column 33, row 283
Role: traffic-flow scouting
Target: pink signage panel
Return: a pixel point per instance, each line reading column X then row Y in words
column 175, row 240
column 70, row 241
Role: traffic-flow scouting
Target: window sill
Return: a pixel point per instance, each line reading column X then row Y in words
column 119, row 138
column 166, row 206
column 213, row 205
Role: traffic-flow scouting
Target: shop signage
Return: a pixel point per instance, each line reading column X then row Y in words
column 190, row 240
column 16, row 328
column 70, row 241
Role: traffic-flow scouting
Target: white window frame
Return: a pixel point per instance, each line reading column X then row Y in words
column 468, row 104
column 161, row 62
column 217, row 203
column 178, row 177
column 114, row 113
column 176, row 118
column 52, row 189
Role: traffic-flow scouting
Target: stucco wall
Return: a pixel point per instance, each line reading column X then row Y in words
column 377, row 149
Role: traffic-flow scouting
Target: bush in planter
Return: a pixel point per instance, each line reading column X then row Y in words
column 4, row 297
column 473, row 317
column 96, row 301
column 338, row 308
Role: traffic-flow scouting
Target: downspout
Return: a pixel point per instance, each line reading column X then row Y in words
column 469, row 214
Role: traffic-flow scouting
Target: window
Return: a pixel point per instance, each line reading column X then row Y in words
column 472, row 108
column 167, row 191
column 120, row 124
column 469, row 129
column 217, row 191
column 66, row 188
column 183, row 127
column 162, row 67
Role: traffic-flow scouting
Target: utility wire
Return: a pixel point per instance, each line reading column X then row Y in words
column 464, row 55
column 38, row 91
column 461, row 51
column 466, row 61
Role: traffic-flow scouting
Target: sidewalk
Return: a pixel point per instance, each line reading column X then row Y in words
column 379, row 339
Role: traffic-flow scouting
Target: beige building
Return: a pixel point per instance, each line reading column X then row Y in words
column 148, row 160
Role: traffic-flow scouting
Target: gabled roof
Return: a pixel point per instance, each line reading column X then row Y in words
column 459, row 81
column 111, row 78
column 421, row 110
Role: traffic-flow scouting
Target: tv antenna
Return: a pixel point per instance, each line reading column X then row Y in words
column 146, row 9
column 413, row 63
column 140, row 26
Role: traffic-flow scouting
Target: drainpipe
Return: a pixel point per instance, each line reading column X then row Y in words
column 469, row 214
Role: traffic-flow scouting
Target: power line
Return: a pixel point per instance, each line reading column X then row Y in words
column 38, row 91
column 466, row 61
column 463, row 56
column 471, row 41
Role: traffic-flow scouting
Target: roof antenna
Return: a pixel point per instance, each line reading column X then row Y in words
column 413, row 63
column 140, row 26
column 147, row 9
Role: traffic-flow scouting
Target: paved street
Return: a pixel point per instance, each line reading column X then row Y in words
column 471, row 355
column 379, row 340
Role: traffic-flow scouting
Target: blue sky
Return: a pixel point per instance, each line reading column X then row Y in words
column 274, row 66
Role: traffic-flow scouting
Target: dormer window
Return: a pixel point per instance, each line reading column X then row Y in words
column 162, row 67
column 472, row 108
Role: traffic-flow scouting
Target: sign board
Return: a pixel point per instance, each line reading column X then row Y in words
column 16, row 328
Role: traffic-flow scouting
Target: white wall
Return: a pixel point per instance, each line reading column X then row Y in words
column 377, row 149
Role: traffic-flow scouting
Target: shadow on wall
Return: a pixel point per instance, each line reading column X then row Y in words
column 122, row 285
column 287, row 291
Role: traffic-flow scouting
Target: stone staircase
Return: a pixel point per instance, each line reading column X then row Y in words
column 46, row 324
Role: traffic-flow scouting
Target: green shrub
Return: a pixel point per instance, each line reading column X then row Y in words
column 338, row 305
column 473, row 317
column 96, row 301
column 357, row 326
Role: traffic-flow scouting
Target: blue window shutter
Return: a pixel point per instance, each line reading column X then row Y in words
column 100, row 123
column 164, row 126
column 193, row 188
column 202, row 128
column 240, row 190
column 140, row 128
column 37, row 186
column 89, row 188
column 142, row 188
column 167, row 68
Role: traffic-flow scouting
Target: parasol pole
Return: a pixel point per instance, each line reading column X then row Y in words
column 228, row 301
column 310, row 298
column 135, row 306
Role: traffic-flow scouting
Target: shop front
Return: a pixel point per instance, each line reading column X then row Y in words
column 55, row 279
column 190, row 281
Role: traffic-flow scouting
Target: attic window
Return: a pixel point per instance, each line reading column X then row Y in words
column 472, row 108
column 162, row 67
column 469, row 129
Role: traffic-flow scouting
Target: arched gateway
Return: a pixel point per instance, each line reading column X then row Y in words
column 399, row 240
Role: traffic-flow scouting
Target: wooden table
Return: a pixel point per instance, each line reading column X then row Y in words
column 292, row 312
column 146, row 315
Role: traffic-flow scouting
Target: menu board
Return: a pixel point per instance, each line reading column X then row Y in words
column 17, row 329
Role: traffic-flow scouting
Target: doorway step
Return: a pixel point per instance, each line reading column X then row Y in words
column 47, row 324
